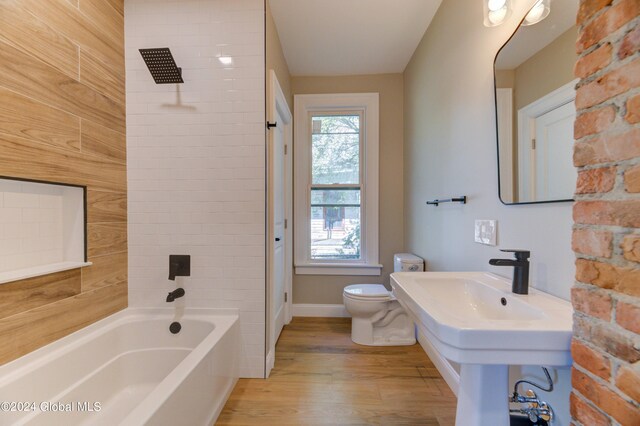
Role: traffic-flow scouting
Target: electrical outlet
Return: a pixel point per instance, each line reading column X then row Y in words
column 485, row 232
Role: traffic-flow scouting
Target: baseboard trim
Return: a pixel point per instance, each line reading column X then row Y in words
column 449, row 374
column 271, row 361
column 317, row 310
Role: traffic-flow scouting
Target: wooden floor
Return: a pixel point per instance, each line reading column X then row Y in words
column 322, row 378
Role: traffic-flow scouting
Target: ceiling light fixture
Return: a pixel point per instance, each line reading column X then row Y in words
column 496, row 12
column 538, row 12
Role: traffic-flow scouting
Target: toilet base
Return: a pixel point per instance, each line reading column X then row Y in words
column 401, row 332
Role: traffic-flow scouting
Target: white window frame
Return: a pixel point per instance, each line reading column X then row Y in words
column 304, row 107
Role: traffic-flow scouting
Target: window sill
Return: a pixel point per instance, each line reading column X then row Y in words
column 337, row 269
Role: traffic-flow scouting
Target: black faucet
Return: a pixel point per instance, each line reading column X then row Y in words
column 520, row 284
column 175, row 294
column 179, row 266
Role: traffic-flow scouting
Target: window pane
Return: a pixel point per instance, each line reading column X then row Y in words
column 331, row 197
column 335, row 149
column 335, row 224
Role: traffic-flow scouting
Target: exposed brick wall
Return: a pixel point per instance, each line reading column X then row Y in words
column 606, row 235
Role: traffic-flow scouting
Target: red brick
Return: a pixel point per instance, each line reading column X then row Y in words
column 592, row 242
column 628, row 316
column 633, row 110
column 607, row 400
column 613, row 18
column 632, row 179
column 609, row 85
column 607, row 148
column 591, row 360
column 618, row 213
column 631, row 247
column 585, row 413
column 596, row 180
column 594, row 61
column 593, row 122
column 630, row 44
column 582, row 327
column 607, row 276
column 628, row 380
column 614, row 342
column 595, row 303
column 589, row 8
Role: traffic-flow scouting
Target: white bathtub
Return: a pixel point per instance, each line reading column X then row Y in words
column 127, row 369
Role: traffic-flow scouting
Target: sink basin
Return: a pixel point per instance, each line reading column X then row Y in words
column 474, row 319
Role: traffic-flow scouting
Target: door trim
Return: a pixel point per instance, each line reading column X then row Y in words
column 526, row 122
column 278, row 107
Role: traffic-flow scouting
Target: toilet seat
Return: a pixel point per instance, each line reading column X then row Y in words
column 372, row 292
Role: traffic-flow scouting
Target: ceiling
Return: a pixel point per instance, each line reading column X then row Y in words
column 348, row 37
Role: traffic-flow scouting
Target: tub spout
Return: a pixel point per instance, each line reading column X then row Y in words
column 175, row 294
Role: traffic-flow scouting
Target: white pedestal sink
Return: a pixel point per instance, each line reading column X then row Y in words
column 472, row 318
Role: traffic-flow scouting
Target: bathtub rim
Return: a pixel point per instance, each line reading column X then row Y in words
column 14, row 369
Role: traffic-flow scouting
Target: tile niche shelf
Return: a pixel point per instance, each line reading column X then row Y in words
column 42, row 228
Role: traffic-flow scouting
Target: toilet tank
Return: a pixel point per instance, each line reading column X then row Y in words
column 407, row 262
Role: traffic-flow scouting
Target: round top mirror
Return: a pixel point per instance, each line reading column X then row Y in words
column 535, row 110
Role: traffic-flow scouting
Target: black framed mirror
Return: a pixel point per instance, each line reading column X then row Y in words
column 535, row 109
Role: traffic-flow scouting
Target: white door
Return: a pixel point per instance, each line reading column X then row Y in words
column 545, row 146
column 553, row 151
column 279, row 219
column 279, row 237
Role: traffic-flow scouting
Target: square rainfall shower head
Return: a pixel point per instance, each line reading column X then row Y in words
column 161, row 65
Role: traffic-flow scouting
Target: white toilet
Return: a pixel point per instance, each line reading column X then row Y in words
column 377, row 317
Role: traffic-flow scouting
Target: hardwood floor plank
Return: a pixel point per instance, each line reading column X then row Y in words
column 322, row 378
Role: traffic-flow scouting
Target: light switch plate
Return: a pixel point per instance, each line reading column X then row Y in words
column 485, row 232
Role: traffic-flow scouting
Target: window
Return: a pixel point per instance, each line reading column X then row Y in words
column 336, row 181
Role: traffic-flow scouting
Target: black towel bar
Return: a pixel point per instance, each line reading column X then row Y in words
column 462, row 199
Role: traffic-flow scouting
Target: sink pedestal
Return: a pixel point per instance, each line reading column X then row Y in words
column 483, row 398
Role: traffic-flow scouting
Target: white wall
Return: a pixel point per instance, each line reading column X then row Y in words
column 196, row 160
column 450, row 150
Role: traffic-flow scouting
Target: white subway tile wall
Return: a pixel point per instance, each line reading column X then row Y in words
column 31, row 226
column 196, row 160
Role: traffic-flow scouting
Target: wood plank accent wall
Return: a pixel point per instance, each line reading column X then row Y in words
column 62, row 118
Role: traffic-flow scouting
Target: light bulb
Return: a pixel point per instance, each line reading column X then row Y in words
column 497, row 16
column 538, row 12
column 495, row 5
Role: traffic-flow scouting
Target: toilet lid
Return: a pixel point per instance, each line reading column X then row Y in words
column 367, row 291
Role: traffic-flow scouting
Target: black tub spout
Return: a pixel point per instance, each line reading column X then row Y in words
column 175, row 294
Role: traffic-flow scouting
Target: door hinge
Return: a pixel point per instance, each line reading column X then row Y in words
column 286, row 297
column 285, row 150
column 285, row 224
column 270, row 124
column 533, row 143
